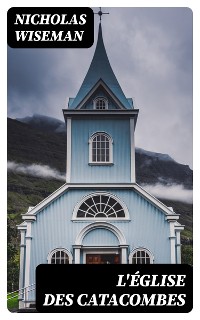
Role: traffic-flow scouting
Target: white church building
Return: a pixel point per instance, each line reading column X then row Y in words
column 100, row 215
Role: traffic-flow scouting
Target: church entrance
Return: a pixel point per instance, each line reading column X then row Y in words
column 102, row 258
column 100, row 243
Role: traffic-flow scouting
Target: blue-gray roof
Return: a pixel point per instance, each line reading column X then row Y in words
column 100, row 68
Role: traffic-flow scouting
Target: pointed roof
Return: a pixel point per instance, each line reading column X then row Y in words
column 100, row 68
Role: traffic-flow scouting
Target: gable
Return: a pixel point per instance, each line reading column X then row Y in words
column 31, row 215
column 100, row 88
column 101, row 92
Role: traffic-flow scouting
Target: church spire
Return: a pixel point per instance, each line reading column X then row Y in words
column 100, row 69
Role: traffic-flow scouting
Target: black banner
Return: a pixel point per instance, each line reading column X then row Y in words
column 50, row 27
column 114, row 288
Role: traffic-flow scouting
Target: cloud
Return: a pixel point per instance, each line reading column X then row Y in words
column 36, row 170
column 170, row 192
column 150, row 51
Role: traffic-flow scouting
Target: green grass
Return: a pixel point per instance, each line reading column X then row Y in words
column 12, row 304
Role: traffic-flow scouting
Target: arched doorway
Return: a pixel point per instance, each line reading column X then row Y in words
column 100, row 243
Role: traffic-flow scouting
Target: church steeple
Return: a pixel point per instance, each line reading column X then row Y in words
column 100, row 69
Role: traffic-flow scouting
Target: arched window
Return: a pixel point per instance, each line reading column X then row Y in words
column 100, row 205
column 100, row 103
column 100, row 148
column 141, row 256
column 59, row 256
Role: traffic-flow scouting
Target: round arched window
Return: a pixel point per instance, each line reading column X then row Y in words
column 100, row 149
column 59, row 256
column 141, row 256
column 101, row 206
column 100, row 103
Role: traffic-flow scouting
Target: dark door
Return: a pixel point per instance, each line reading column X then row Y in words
column 102, row 258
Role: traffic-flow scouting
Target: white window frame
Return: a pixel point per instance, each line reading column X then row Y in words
column 141, row 249
column 110, row 140
column 50, row 255
column 101, row 99
column 110, row 195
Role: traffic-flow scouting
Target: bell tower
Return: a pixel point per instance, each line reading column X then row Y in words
column 100, row 124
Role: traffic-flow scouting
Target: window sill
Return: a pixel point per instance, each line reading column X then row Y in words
column 101, row 219
column 101, row 164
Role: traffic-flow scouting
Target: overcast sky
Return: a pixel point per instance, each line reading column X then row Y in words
column 150, row 51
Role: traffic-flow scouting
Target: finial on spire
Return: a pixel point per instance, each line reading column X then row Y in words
column 100, row 13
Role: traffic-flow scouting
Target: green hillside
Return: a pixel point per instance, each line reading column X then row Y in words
column 29, row 145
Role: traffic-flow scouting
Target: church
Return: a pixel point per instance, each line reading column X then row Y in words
column 100, row 215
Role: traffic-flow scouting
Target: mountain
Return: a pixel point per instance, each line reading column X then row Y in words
column 29, row 144
column 152, row 168
column 44, row 123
